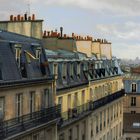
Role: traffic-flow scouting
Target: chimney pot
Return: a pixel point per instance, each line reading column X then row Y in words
column 48, row 33
column 65, row 35
column 52, row 33
column 44, row 35
column 11, row 17
column 29, row 18
column 22, row 18
column 58, row 34
column 61, row 32
column 33, row 16
column 25, row 16
column 15, row 18
column 72, row 34
column 18, row 17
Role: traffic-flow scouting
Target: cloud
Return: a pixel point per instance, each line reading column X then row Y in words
column 124, row 31
column 126, row 50
column 121, row 7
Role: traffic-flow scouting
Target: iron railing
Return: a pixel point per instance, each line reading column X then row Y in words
column 25, row 122
column 79, row 111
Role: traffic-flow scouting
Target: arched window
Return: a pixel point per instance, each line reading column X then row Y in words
column 134, row 87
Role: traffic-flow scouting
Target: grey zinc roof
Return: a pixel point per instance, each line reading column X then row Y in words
column 8, row 65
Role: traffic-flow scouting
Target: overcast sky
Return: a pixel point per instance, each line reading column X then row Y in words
column 116, row 20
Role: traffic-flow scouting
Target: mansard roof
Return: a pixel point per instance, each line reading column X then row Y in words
column 28, row 67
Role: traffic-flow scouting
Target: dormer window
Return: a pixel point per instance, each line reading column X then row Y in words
column 38, row 53
column 17, row 53
column 64, row 69
column 134, row 87
column 78, row 69
column 71, row 70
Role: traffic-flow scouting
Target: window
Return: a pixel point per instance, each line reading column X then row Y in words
column 69, row 101
column 83, row 99
column 116, row 86
column 128, row 138
column 47, row 98
column 55, row 69
column 71, row 70
column 97, row 129
column 78, row 69
column 91, row 94
column 91, row 128
column 70, row 134
column 108, row 115
column 84, row 132
column 100, row 121
column 35, row 137
column 64, row 69
column 38, row 53
column 32, row 101
column 104, row 137
column 19, row 101
column 17, row 53
column 134, row 86
column 107, row 135
column 104, row 118
column 61, row 136
column 75, row 100
column 2, row 100
column 133, row 112
column 60, row 100
column 136, row 125
column 133, row 101
column 77, row 132
column 111, row 113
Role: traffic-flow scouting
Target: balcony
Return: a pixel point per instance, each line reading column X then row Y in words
column 14, row 126
column 83, row 110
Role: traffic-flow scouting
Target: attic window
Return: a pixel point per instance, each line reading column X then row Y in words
column 38, row 53
column 134, row 87
column 17, row 53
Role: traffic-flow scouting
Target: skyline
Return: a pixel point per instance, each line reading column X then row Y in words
column 116, row 21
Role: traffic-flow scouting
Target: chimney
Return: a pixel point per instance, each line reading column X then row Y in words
column 77, row 37
column 65, row 35
column 15, row 18
column 29, row 18
column 18, row 17
column 72, row 34
column 52, row 33
column 61, row 32
column 58, row 34
column 22, row 18
column 48, row 33
column 33, row 16
column 11, row 17
column 25, row 16
column 44, row 35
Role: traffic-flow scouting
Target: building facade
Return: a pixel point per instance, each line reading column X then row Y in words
column 132, row 106
column 75, row 75
column 27, row 92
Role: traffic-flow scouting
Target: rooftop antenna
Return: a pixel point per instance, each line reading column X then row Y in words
column 28, row 7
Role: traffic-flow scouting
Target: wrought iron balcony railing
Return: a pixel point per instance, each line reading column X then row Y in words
column 14, row 126
column 82, row 110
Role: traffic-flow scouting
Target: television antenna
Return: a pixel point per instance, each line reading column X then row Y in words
column 28, row 8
